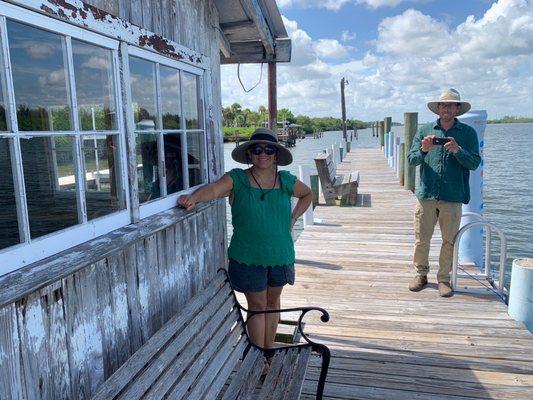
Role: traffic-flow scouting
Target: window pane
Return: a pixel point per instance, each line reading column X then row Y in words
column 195, row 142
column 50, row 183
column 95, row 91
column 190, row 100
column 173, row 163
column 142, row 76
column 3, row 121
column 9, row 233
column 170, row 97
column 101, row 175
column 147, row 167
column 39, row 77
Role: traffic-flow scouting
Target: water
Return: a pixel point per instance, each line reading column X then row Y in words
column 508, row 179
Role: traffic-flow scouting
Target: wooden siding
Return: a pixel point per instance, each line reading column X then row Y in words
column 62, row 340
column 68, row 322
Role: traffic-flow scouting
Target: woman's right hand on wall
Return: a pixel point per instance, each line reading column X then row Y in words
column 187, row 201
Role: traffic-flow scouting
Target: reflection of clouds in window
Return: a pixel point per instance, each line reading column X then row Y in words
column 94, row 86
column 142, row 74
column 170, row 103
column 190, row 100
column 39, row 78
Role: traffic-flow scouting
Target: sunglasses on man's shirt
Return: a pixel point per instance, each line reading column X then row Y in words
column 258, row 150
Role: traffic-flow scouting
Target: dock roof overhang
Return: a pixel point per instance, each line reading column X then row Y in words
column 252, row 31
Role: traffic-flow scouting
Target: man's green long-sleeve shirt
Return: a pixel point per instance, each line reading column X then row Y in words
column 444, row 175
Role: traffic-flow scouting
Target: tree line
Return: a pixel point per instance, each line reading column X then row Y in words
column 235, row 116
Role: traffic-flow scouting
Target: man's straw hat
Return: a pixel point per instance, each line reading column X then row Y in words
column 450, row 96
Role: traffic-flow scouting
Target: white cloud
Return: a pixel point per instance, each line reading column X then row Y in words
column 337, row 4
column 347, row 36
column 413, row 59
column 330, row 48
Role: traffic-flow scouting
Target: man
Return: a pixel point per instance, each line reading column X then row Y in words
column 444, row 174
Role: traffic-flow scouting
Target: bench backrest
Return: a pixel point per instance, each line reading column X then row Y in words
column 207, row 334
column 326, row 169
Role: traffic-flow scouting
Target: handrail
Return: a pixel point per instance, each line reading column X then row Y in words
column 503, row 251
column 487, row 240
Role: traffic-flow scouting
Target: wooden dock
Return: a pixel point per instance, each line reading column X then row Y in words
column 387, row 342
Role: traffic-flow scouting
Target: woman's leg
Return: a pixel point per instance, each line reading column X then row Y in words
column 271, row 320
column 257, row 301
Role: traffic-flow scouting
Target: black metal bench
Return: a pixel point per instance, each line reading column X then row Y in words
column 204, row 353
column 333, row 185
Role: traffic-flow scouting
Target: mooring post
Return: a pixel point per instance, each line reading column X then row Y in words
column 314, row 189
column 305, row 177
column 381, row 134
column 397, row 156
column 388, row 124
column 411, row 126
column 402, row 164
column 521, row 292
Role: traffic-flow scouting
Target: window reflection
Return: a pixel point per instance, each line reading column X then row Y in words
column 39, row 77
column 93, row 68
column 170, row 97
column 147, row 167
column 174, row 175
column 142, row 75
column 9, row 231
column 3, row 121
column 101, row 177
column 194, row 149
column 190, row 100
column 50, row 183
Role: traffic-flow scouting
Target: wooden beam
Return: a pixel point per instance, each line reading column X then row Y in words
column 253, row 9
column 224, row 44
column 237, row 27
column 253, row 52
column 272, row 97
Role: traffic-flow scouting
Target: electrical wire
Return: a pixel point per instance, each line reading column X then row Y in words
column 240, row 81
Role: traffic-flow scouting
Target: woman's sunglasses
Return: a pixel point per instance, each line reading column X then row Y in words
column 268, row 150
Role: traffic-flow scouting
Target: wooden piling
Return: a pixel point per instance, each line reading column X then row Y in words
column 411, row 126
column 272, row 96
column 388, row 124
column 382, row 133
column 314, row 189
column 402, row 164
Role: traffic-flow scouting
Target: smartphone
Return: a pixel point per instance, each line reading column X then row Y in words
column 439, row 141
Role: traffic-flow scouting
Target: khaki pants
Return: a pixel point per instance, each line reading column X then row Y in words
column 427, row 212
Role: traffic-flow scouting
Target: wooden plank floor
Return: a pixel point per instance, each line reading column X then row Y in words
column 387, row 342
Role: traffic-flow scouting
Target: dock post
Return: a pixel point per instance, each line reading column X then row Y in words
column 382, row 134
column 388, row 124
column 402, row 164
column 385, row 144
column 521, row 292
column 335, row 153
column 411, row 126
column 314, row 189
column 397, row 156
column 303, row 171
column 391, row 148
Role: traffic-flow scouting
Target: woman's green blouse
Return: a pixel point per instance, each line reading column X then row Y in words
column 261, row 228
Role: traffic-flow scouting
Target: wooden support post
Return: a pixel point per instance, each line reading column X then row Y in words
column 381, row 134
column 314, row 189
column 411, row 126
column 402, row 164
column 388, row 124
column 343, row 109
column 272, row 97
column 303, row 171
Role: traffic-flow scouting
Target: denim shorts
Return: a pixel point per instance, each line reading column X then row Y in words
column 256, row 278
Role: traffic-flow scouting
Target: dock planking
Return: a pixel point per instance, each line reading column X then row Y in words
column 387, row 342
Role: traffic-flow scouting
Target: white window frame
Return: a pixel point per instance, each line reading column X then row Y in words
column 166, row 202
column 31, row 250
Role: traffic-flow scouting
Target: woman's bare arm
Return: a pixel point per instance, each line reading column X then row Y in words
column 215, row 190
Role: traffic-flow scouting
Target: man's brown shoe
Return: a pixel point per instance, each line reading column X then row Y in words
column 445, row 290
column 418, row 283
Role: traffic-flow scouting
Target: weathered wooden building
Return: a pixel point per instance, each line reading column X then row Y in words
column 109, row 110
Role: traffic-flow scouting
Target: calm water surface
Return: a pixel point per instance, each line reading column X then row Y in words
column 508, row 178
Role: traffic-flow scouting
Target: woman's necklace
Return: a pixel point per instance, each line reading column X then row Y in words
column 263, row 193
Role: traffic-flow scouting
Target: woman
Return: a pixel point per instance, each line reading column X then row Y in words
column 261, row 252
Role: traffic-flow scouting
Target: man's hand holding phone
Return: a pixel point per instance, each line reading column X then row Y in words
column 427, row 144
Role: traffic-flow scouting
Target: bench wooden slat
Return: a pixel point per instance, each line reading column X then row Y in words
column 270, row 381
column 253, row 381
column 242, row 374
column 223, row 376
column 217, row 363
column 140, row 359
column 190, row 363
column 285, row 373
column 300, row 368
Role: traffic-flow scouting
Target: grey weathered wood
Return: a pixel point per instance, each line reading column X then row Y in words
column 272, row 376
column 11, row 386
column 333, row 186
column 300, row 368
column 137, row 362
column 240, row 379
column 285, row 374
column 253, row 380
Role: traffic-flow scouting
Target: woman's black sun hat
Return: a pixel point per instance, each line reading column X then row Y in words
column 262, row 136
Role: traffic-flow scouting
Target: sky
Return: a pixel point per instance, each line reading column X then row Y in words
column 397, row 55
